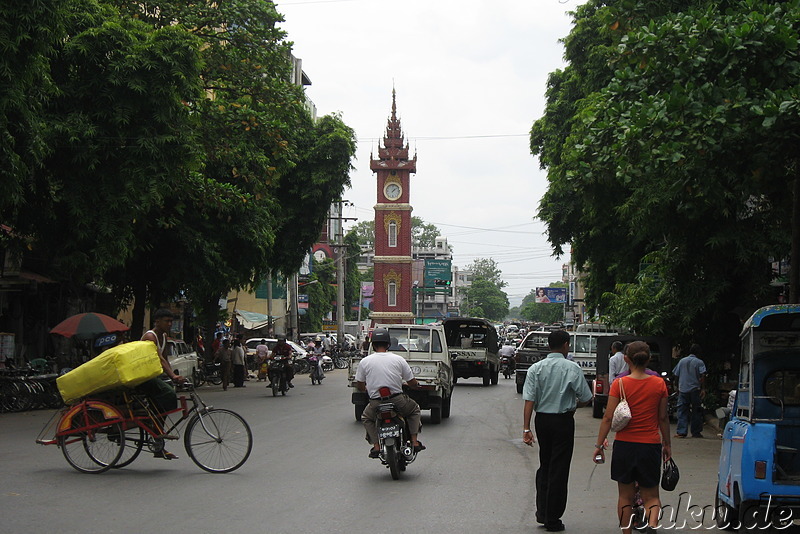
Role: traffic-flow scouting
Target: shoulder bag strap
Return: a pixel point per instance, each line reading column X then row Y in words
column 622, row 390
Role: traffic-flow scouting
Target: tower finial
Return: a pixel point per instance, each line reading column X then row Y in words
column 394, row 104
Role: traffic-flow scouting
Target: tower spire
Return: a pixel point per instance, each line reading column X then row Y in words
column 394, row 105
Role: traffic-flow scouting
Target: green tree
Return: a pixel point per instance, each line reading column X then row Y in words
column 669, row 143
column 487, row 269
column 321, row 296
column 269, row 172
column 117, row 139
column 423, row 235
column 485, row 299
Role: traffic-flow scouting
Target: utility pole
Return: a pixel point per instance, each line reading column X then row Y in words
column 341, row 254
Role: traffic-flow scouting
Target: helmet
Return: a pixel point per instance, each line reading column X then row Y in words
column 318, row 338
column 381, row 335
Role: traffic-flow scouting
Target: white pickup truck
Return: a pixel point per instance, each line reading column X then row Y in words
column 426, row 351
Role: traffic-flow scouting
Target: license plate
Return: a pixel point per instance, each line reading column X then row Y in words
column 389, row 431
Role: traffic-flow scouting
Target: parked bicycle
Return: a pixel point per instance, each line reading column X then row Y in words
column 95, row 435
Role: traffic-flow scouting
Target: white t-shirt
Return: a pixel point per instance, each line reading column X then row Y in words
column 383, row 369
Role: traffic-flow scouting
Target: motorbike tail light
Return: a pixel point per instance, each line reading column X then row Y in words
column 599, row 386
column 761, row 469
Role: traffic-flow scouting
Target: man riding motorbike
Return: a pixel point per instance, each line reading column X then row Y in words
column 284, row 350
column 383, row 369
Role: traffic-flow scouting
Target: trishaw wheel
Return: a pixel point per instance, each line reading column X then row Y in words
column 92, row 445
column 218, row 441
column 134, row 441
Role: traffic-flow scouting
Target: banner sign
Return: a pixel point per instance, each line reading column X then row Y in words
column 438, row 273
column 556, row 295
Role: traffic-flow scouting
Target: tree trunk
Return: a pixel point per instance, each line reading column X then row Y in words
column 794, row 268
column 139, row 305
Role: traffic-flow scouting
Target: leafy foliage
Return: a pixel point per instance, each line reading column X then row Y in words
column 669, row 143
column 423, row 235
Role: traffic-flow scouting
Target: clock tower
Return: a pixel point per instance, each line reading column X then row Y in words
column 393, row 285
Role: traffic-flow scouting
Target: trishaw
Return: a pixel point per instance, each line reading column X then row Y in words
column 111, row 429
column 759, row 467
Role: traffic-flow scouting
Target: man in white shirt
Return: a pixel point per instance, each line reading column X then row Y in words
column 616, row 364
column 383, row 369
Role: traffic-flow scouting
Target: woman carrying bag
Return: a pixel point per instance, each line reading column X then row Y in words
column 641, row 446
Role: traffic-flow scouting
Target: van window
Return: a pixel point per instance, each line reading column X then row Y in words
column 784, row 386
column 415, row 340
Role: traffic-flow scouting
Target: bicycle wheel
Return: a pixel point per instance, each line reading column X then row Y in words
column 93, row 445
column 218, row 440
column 214, row 378
column 135, row 438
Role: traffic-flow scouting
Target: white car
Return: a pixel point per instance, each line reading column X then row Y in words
column 181, row 357
column 252, row 343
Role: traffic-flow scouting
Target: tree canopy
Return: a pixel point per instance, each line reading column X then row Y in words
column 669, row 142
column 423, row 235
column 485, row 297
column 161, row 147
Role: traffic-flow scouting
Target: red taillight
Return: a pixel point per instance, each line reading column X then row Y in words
column 599, row 386
column 479, row 363
column 761, row 469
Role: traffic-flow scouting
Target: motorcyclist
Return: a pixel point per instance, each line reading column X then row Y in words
column 507, row 350
column 387, row 369
column 284, row 350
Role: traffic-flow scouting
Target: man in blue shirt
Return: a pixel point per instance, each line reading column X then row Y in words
column 554, row 387
column 690, row 373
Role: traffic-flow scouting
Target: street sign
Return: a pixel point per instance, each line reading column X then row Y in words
column 438, row 273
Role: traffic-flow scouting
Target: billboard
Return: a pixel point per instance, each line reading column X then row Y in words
column 438, row 273
column 555, row 295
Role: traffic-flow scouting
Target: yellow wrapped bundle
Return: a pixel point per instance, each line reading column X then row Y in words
column 128, row 365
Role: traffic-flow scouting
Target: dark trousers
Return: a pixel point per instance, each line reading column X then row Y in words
column 238, row 375
column 690, row 402
column 556, row 435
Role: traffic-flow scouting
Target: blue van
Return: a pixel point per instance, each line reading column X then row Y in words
column 759, row 467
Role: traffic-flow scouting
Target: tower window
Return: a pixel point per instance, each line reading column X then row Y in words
column 391, row 294
column 392, row 234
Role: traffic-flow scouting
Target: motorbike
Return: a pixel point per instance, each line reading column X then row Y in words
column 507, row 366
column 340, row 359
column 394, row 438
column 315, row 371
column 277, row 375
column 210, row 372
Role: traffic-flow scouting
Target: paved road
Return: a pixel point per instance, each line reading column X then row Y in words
column 309, row 472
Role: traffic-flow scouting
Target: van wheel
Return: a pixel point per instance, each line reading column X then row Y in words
column 446, row 405
column 724, row 515
column 597, row 409
column 495, row 376
column 359, row 411
column 487, row 377
column 436, row 415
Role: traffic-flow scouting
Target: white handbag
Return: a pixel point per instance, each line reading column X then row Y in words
column 622, row 413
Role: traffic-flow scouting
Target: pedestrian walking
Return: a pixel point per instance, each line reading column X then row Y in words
column 224, row 356
column 690, row 373
column 616, row 364
column 639, row 447
column 554, row 387
column 237, row 361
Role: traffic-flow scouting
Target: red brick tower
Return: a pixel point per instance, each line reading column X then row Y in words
column 393, row 283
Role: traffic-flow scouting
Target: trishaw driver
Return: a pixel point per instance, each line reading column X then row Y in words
column 162, row 394
column 387, row 369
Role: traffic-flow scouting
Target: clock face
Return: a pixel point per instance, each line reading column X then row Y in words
column 392, row 191
column 320, row 256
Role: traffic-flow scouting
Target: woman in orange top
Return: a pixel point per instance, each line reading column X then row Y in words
column 640, row 447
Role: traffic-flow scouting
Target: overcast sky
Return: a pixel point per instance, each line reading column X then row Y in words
column 470, row 77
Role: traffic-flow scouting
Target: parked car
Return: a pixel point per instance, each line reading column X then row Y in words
column 183, row 358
